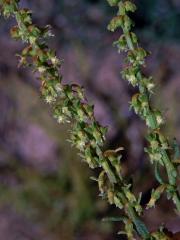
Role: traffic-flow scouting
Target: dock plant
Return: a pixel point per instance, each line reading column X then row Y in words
column 70, row 105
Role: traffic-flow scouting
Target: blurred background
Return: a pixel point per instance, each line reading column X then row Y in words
column 45, row 190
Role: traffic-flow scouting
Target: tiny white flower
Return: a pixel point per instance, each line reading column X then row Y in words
column 41, row 69
column 55, row 60
column 58, row 87
column 81, row 144
column 131, row 78
column 32, row 39
column 150, row 86
column 159, row 119
column 49, row 99
column 60, row 119
column 65, row 110
column 49, row 33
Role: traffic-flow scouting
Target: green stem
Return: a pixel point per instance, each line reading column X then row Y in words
column 170, row 169
column 110, row 173
column 129, row 41
column 140, row 226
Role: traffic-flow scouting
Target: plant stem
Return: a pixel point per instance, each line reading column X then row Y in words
column 140, row 226
column 129, row 41
column 158, row 145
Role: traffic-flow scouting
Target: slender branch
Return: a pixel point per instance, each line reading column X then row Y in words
column 159, row 150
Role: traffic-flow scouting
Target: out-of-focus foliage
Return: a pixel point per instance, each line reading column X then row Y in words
column 159, row 18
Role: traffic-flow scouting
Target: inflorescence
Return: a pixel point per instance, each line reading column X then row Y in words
column 70, row 105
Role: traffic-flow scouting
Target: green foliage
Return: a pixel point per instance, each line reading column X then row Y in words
column 70, row 105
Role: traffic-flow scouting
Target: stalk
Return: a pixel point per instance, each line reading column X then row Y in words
column 159, row 149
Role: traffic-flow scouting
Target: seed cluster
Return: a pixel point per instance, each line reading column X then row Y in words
column 160, row 151
column 70, row 105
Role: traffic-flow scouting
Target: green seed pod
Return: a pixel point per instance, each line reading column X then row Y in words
column 140, row 54
column 89, row 109
column 114, row 158
column 129, row 6
column 115, row 23
column 151, row 121
column 129, row 229
column 103, row 131
column 127, row 23
column 149, row 84
column 26, row 16
column 118, row 202
column 81, row 114
column 157, row 157
column 160, row 235
column 122, row 9
column 156, row 194
column 9, row 7
column 69, row 94
column 34, row 32
column 163, row 140
column 154, row 144
column 144, row 104
column 89, row 158
column 159, row 117
column 170, row 191
column 121, row 44
column 131, row 58
column 129, row 195
column 102, row 182
column 135, row 103
column 131, row 75
column 134, row 38
column 98, row 137
column 138, row 208
column 110, row 195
